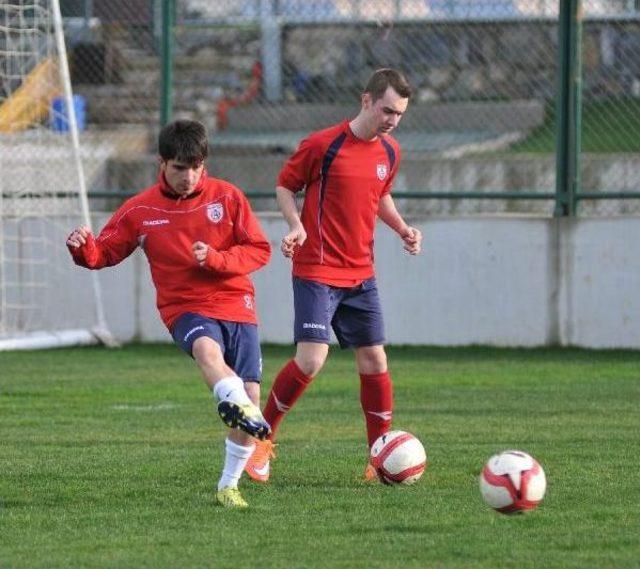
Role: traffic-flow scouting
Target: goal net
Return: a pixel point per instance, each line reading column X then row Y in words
column 45, row 301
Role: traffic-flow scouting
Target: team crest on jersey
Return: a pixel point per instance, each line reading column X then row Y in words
column 215, row 211
column 381, row 171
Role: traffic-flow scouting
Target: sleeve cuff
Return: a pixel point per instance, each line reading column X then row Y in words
column 213, row 260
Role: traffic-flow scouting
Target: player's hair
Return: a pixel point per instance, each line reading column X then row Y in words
column 384, row 78
column 184, row 141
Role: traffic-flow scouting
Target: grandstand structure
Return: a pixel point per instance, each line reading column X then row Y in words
column 254, row 71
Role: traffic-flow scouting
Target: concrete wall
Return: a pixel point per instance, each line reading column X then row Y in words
column 495, row 116
column 503, row 281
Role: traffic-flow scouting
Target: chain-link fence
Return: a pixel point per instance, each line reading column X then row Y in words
column 479, row 136
column 611, row 111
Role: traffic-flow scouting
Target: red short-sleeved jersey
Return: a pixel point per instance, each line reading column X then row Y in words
column 165, row 227
column 344, row 178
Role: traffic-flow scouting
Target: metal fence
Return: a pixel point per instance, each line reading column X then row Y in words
column 480, row 136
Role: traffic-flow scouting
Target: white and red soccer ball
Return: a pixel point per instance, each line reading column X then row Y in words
column 512, row 482
column 398, row 458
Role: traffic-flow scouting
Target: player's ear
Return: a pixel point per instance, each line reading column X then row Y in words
column 366, row 100
column 162, row 163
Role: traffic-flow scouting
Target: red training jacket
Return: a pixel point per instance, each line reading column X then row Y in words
column 165, row 227
column 344, row 177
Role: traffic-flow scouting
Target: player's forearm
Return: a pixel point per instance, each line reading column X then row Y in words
column 87, row 253
column 115, row 243
column 288, row 207
column 388, row 213
column 95, row 258
column 83, row 261
column 239, row 259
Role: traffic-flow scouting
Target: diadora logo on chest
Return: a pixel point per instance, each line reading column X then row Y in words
column 155, row 222
column 215, row 212
column 381, row 170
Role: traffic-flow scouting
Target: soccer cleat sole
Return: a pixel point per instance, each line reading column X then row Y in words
column 234, row 417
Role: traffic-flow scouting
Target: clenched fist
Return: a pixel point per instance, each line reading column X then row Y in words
column 412, row 241
column 200, row 251
column 79, row 237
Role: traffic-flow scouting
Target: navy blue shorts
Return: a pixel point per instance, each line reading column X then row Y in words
column 354, row 313
column 238, row 341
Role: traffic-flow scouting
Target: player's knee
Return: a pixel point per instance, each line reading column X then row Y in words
column 372, row 360
column 311, row 364
column 310, row 357
column 207, row 351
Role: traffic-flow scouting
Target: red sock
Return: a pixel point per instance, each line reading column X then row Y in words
column 289, row 385
column 376, row 397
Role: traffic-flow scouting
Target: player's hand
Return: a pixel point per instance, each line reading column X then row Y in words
column 200, row 251
column 412, row 241
column 79, row 237
column 295, row 238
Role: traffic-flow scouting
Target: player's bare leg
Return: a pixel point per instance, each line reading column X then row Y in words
column 371, row 359
column 310, row 357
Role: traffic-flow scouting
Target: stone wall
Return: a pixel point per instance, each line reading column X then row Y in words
column 509, row 173
column 458, row 61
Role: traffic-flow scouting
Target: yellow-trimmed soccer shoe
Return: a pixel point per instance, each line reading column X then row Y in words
column 230, row 497
column 258, row 465
column 247, row 418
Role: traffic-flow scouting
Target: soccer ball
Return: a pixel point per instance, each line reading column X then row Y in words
column 398, row 458
column 512, row 482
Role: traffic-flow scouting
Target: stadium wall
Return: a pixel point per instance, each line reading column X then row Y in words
column 501, row 281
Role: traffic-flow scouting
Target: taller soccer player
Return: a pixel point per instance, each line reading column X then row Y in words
column 202, row 242
column 347, row 172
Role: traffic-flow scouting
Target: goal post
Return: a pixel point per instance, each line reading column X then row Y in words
column 45, row 301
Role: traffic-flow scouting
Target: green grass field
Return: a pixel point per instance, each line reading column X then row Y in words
column 607, row 126
column 109, row 458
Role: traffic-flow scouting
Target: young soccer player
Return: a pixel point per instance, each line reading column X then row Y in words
column 347, row 171
column 201, row 240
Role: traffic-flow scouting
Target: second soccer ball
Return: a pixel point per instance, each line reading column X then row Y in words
column 512, row 482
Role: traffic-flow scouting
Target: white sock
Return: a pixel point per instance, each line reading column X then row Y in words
column 235, row 459
column 231, row 389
